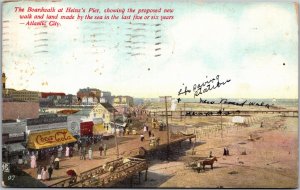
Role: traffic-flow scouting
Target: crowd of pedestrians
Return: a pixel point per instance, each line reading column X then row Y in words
column 45, row 172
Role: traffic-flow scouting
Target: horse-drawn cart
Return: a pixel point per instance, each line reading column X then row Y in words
column 198, row 163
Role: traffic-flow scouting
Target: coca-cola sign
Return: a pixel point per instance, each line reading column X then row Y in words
column 50, row 138
column 57, row 137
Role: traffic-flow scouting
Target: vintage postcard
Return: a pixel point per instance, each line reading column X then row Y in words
column 149, row 94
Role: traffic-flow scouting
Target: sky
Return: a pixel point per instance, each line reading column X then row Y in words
column 252, row 44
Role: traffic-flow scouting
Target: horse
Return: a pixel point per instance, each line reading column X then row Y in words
column 209, row 162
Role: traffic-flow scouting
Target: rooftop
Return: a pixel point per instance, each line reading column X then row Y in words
column 46, row 94
column 109, row 107
column 88, row 89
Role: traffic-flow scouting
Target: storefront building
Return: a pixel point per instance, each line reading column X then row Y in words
column 104, row 111
column 46, row 134
column 13, row 141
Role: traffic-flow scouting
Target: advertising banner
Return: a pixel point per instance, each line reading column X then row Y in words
column 48, row 139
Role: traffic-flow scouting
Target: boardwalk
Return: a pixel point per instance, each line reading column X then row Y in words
column 128, row 146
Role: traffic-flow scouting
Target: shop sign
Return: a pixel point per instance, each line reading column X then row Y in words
column 49, row 139
column 12, row 135
column 47, row 120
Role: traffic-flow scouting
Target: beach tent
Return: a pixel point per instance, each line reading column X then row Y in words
column 238, row 119
column 173, row 105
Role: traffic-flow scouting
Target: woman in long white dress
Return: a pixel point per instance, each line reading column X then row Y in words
column 33, row 161
column 39, row 173
column 45, row 174
column 90, row 154
column 67, row 151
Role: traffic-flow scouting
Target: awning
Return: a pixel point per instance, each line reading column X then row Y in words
column 48, row 139
column 15, row 147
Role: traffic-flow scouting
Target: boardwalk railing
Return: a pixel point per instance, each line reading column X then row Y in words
column 106, row 175
column 98, row 170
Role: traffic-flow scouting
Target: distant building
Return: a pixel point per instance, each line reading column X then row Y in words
column 10, row 94
column 22, row 95
column 50, row 98
column 89, row 96
column 125, row 100
column 68, row 100
column 58, row 99
column 20, row 110
column 57, row 94
column 138, row 101
column 106, row 97
column 122, row 109
column 46, row 102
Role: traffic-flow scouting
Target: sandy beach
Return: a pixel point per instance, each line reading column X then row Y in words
column 271, row 159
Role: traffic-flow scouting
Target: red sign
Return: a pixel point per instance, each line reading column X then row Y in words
column 86, row 128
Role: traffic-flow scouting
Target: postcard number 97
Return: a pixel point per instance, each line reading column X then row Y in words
column 11, row 177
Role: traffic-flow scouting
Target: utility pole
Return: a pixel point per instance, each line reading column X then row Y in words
column 184, row 111
column 116, row 142
column 221, row 121
column 180, row 114
column 194, row 142
column 168, row 132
